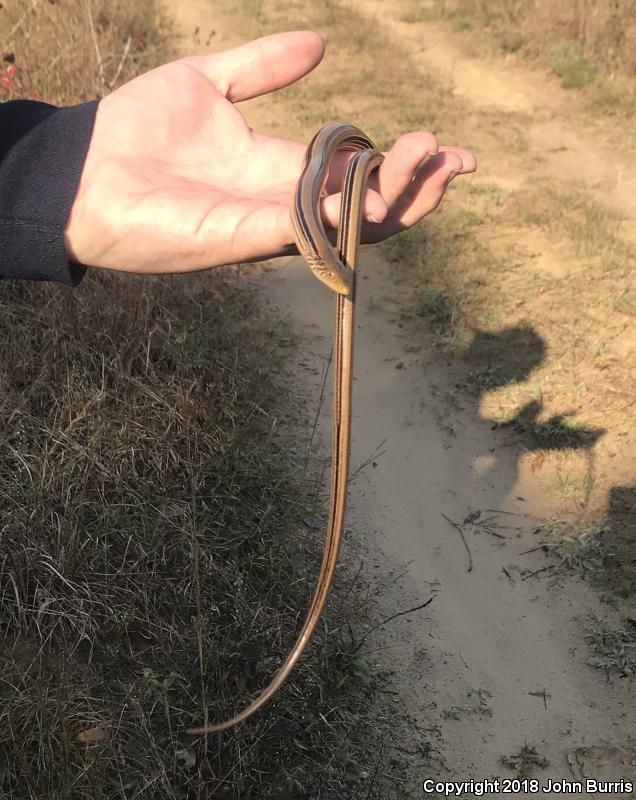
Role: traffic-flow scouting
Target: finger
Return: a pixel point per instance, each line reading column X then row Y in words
column 374, row 208
column 261, row 66
column 397, row 170
column 428, row 186
column 401, row 163
column 423, row 195
column 469, row 162
column 408, row 154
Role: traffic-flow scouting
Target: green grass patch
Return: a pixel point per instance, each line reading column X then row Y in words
column 575, row 71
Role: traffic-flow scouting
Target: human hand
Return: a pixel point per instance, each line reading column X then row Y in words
column 176, row 181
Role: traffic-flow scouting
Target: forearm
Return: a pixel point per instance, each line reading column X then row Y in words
column 42, row 154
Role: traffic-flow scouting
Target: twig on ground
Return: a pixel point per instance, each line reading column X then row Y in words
column 390, row 618
column 461, row 533
column 532, row 549
column 538, row 571
column 489, row 530
column 375, row 454
column 542, row 694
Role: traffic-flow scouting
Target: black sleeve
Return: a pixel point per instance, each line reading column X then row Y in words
column 42, row 154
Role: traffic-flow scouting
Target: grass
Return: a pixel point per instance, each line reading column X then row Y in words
column 563, row 432
column 594, row 230
column 525, row 762
column 591, row 53
column 150, row 549
column 613, row 649
column 575, row 71
column 59, row 61
column 153, row 563
column 603, row 553
column 439, row 258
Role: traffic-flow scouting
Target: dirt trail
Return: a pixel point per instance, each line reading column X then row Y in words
column 498, row 660
column 559, row 145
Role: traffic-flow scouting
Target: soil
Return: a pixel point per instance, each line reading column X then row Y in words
column 498, row 661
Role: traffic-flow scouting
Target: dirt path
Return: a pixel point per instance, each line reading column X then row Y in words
column 559, row 144
column 498, row 661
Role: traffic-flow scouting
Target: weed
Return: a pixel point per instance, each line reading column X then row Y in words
column 511, row 41
column 433, row 303
column 589, row 555
column 613, row 649
column 490, row 191
column 477, row 382
column 602, row 555
column 575, row 71
column 489, row 318
column 478, row 706
column 345, row 666
column 408, row 249
column 525, row 762
column 567, row 488
column 462, row 23
column 467, row 218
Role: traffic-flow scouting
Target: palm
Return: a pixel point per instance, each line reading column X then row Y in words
column 175, row 179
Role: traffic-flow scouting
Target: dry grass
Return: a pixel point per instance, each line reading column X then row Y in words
column 150, row 543
column 613, row 648
column 587, row 44
column 525, row 762
column 603, row 554
column 78, row 49
column 153, row 563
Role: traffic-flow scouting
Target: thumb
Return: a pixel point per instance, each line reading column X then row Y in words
column 263, row 65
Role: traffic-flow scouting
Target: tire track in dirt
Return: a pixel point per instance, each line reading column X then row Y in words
column 497, row 660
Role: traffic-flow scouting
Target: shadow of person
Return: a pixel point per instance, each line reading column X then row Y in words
column 506, row 358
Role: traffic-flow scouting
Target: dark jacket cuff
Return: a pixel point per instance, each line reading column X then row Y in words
column 42, row 155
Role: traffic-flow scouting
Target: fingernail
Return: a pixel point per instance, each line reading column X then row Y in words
column 373, row 218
